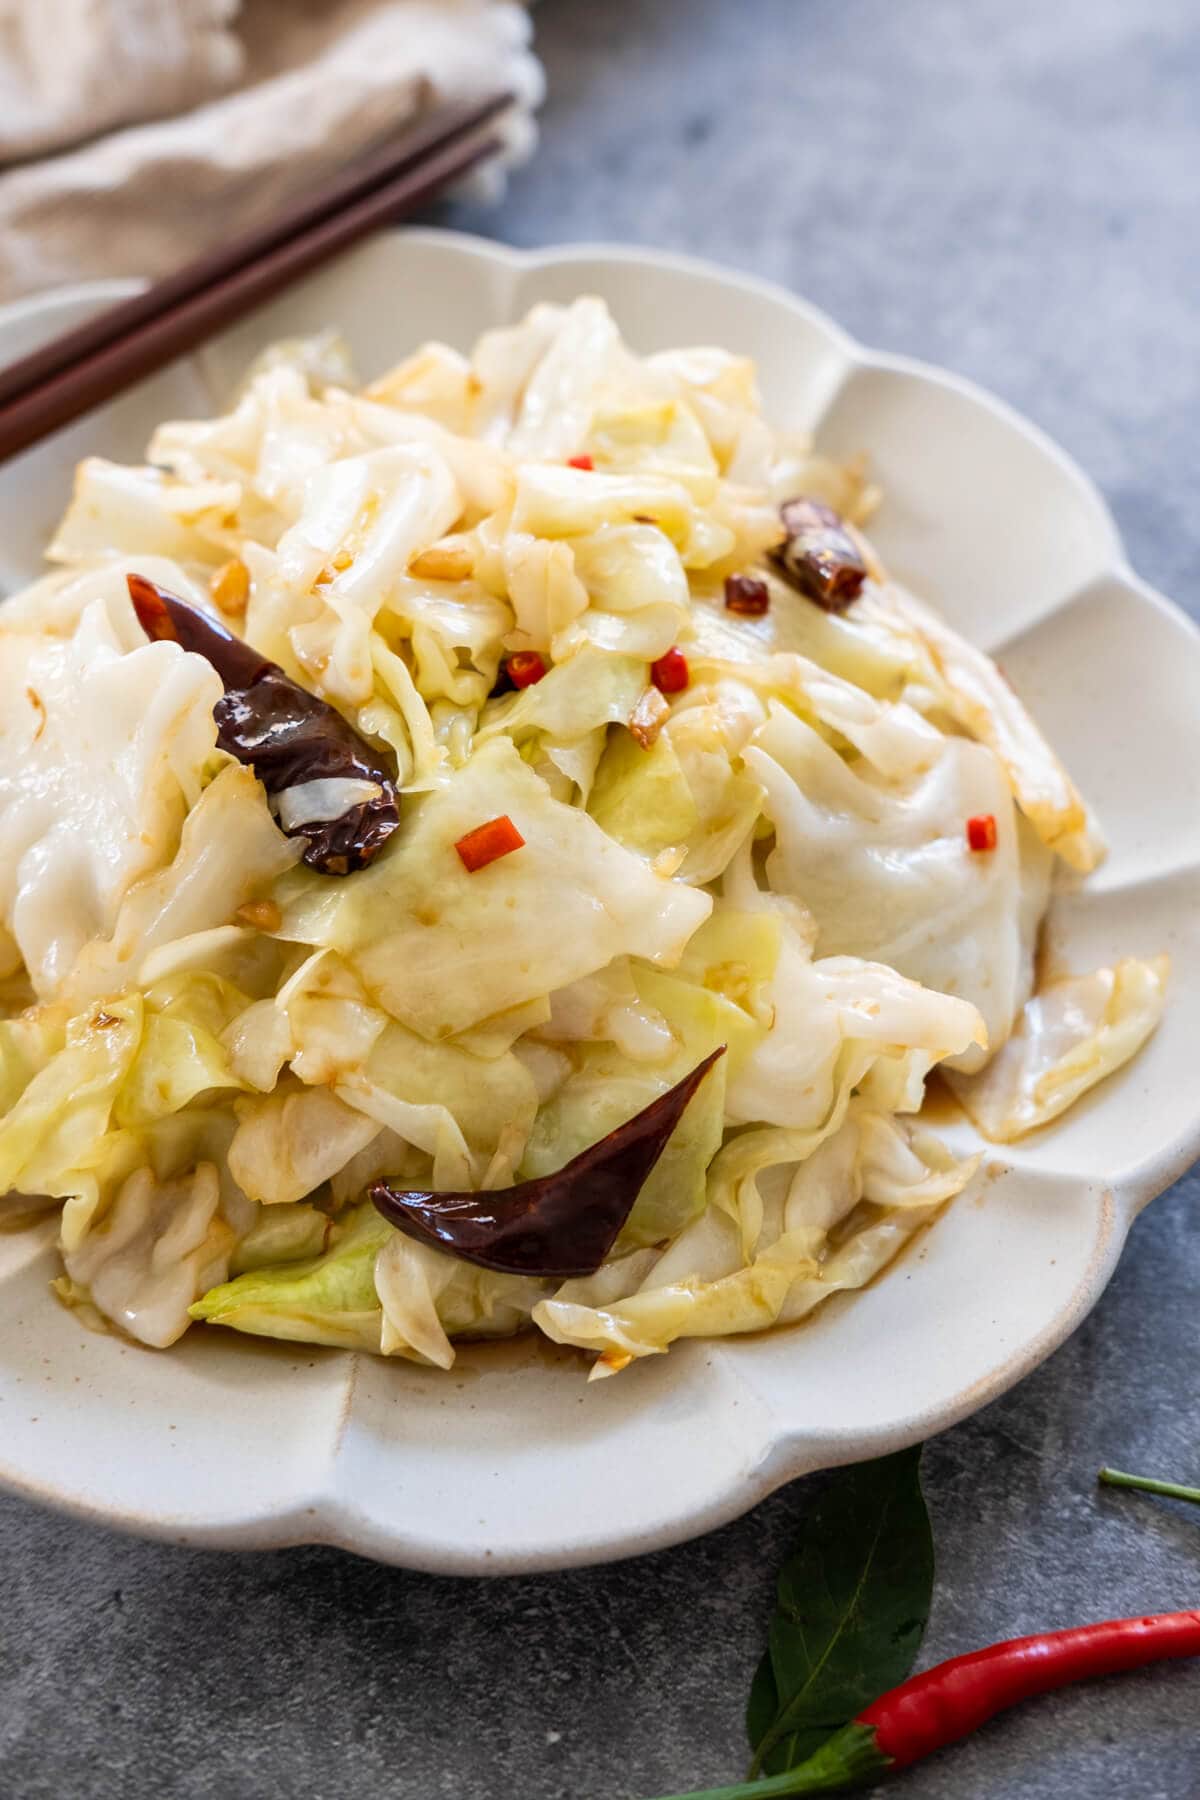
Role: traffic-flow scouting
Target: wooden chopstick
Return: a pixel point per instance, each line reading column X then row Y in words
column 427, row 136
column 175, row 315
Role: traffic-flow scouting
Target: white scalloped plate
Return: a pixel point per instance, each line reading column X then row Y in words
column 512, row 1462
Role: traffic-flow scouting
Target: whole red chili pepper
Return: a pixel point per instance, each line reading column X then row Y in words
column 954, row 1699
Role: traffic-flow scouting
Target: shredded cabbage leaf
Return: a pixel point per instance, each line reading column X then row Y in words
column 1071, row 1035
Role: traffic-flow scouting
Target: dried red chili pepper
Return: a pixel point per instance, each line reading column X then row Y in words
column 488, row 842
column 954, row 1699
column 981, row 831
column 524, row 668
column 580, row 462
column 819, row 557
column 286, row 735
column 670, row 674
column 747, row 595
column 561, row 1225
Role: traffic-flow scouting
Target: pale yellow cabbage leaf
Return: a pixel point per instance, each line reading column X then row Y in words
column 1071, row 1035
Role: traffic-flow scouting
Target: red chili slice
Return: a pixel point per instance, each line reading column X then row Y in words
column 580, row 462
column 747, row 595
column 524, row 668
column 488, row 842
column 670, row 673
column 981, row 831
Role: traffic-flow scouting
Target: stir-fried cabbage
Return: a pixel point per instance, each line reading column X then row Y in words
column 822, row 842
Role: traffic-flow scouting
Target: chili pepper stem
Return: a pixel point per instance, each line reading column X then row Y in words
column 851, row 1758
column 1144, row 1484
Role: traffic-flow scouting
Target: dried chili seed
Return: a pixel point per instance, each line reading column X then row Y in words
column 263, row 915
column 561, row 1225
column 230, row 588
column 981, row 831
column 819, row 557
column 288, row 736
column 747, row 595
column 524, row 668
column 648, row 718
column 39, row 707
column 488, row 842
column 580, row 462
column 443, row 562
column 670, row 673
column 342, row 559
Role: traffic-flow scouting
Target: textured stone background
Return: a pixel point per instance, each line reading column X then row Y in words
column 1010, row 188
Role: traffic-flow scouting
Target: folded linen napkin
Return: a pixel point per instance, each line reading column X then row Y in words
column 137, row 134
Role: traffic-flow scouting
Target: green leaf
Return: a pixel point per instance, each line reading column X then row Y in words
column 850, row 1612
column 763, row 1701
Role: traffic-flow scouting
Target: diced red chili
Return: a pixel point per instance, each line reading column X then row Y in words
column 524, row 668
column 670, row 673
column 580, row 462
column 981, row 831
column 487, row 842
column 747, row 595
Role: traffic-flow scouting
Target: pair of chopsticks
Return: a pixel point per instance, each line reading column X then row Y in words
column 89, row 365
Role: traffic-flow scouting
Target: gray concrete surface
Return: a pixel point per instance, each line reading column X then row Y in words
column 1011, row 188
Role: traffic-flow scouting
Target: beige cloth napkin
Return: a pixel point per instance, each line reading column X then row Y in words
column 138, row 132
